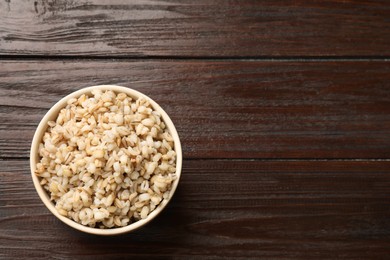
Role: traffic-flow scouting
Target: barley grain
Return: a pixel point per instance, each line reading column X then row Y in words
column 107, row 160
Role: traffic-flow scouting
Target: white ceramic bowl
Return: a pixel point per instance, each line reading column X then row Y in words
column 52, row 114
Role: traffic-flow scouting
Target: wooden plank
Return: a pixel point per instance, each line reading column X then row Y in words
column 228, row 109
column 195, row 28
column 238, row 209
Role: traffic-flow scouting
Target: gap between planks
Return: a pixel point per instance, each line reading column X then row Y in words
column 203, row 58
column 255, row 159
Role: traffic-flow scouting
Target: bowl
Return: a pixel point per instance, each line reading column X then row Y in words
column 52, row 114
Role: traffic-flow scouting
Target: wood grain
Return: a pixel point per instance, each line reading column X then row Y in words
column 222, row 109
column 283, row 109
column 204, row 28
column 238, row 209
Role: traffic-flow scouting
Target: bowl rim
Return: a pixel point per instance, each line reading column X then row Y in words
column 53, row 112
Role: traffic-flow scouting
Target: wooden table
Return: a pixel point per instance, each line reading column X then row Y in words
column 283, row 108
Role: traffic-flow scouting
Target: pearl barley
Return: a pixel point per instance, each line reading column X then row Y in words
column 107, row 160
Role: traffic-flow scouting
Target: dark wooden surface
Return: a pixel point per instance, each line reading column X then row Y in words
column 238, row 209
column 222, row 109
column 211, row 28
column 283, row 109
